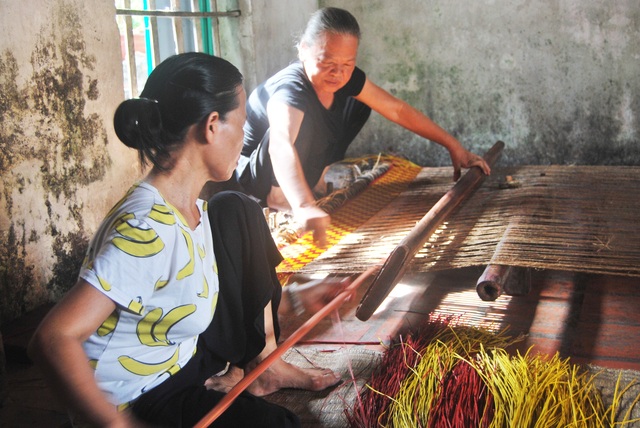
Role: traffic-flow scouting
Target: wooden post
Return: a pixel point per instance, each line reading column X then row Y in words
column 519, row 282
column 399, row 259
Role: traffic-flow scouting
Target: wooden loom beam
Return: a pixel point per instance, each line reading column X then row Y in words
column 398, row 261
column 502, row 279
column 498, row 279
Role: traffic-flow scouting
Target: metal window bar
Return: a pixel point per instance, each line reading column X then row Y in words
column 178, row 13
column 168, row 32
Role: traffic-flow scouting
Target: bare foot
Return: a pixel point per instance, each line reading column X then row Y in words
column 225, row 382
column 285, row 375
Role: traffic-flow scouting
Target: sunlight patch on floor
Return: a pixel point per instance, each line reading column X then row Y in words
column 472, row 310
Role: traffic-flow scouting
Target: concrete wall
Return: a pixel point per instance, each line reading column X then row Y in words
column 556, row 80
column 264, row 37
column 61, row 166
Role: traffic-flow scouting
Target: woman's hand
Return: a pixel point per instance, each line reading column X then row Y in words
column 315, row 219
column 316, row 294
column 462, row 158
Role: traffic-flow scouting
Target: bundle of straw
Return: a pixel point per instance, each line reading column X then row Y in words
column 445, row 375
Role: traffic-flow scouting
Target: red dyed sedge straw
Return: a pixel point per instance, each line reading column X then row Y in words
column 280, row 350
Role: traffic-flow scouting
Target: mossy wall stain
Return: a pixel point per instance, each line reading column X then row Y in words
column 69, row 252
column 16, row 275
column 13, row 108
column 43, row 122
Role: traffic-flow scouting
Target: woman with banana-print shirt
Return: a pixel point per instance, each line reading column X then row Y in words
column 177, row 296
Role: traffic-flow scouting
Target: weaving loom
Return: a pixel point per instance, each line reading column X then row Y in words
column 565, row 218
column 538, row 217
column 578, row 218
column 351, row 214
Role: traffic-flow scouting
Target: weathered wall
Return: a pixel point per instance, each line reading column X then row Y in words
column 61, row 166
column 557, row 80
column 267, row 31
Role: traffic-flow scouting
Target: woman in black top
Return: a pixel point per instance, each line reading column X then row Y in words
column 303, row 119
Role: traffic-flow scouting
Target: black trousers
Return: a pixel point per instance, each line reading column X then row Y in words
column 246, row 257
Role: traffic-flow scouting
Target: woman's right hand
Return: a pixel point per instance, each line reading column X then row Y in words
column 314, row 219
column 315, row 294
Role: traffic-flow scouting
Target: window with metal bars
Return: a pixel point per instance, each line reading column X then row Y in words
column 152, row 30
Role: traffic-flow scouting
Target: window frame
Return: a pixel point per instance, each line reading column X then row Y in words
column 204, row 33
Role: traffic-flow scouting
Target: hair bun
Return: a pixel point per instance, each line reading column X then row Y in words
column 137, row 121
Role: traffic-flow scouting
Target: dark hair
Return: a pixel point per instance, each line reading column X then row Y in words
column 180, row 92
column 329, row 20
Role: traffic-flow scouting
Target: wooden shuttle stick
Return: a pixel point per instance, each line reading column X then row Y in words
column 282, row 348
column 398, row 261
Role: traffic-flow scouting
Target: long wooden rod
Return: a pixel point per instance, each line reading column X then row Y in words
column 398, row 261
column 337, row 301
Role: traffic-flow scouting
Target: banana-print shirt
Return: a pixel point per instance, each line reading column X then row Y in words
column 163, row 278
